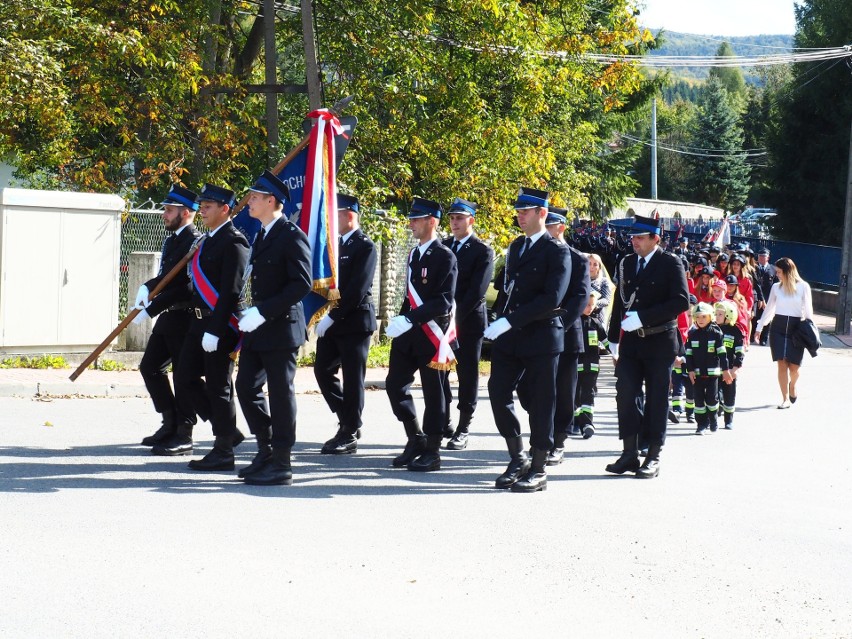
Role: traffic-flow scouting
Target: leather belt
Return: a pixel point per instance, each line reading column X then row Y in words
column 201, row 312
column 653, row 330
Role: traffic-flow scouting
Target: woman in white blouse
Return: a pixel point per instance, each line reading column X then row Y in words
column 789, row 303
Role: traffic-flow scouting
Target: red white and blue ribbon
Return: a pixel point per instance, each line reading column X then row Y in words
column 444, row 358
column 208, row 292
column 318, row 218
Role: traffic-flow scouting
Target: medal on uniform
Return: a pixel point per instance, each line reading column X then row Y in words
column 423, row 274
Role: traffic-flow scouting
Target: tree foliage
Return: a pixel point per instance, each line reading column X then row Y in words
column 809, row 136
column 719, row 171
column 454, row 97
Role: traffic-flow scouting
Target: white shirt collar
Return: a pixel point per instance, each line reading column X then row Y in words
column 535, row 238
column 216, row 230
column 344, row 238
column 464, row 239
column 422, row 247
column 269, row 226
column 177, row 232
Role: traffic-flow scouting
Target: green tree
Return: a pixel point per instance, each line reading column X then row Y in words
column 719, row 170
column 731, row 78
column 809, row 139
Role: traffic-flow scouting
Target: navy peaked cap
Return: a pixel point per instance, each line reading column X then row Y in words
column 348, row 202
column 556, row 215
column 531, row 199
column 421, row 207
column 463, row 206
column 269, row 184
column 179, row 196
column 216, row 194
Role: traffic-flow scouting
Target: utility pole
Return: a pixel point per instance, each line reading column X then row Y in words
column 271, row 78
column 844, row 299
column 311, row 68
column 654, row 149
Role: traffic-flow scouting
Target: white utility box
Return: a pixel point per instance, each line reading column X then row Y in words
column 59, row 270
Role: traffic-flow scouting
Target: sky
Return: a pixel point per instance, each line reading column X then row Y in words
column 719, row 17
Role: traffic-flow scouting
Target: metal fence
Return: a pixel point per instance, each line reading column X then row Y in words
column 142, row 230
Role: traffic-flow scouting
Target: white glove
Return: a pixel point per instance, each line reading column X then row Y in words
column 142, row 297
column 251, row 319
column 324, row 324
column 496, row 329
column 397, row 326
column 613, row 348
column 209, row 343
column 141, row 316
column 631, row 322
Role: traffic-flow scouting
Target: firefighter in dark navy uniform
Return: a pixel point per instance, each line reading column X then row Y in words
column 423, row 340
column 218, row 277
column 651, row 292
column 476, row 268
column 345, row 332
column 171, row 308
column 274, row 329
column 528, row 337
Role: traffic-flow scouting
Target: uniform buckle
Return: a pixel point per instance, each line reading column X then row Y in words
column 197, row 313
column 640, row 331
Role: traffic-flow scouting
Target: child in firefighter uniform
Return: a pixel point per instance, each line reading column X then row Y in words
column 588, row 367
column 683, row 395
column 705, row 355
column 726, row 317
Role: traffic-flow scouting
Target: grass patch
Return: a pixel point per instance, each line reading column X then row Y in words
column 40, row 361
column 379, row 354
column 110, row 365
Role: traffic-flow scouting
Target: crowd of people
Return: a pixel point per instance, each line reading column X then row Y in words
column 678, row 323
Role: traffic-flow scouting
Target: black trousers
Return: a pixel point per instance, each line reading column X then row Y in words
column 728, row 392
column 404, row 361
column 706, row 400
column 584, row 414
column 467, row 370
column 162, row 350
column 347, row 354
column 212, row 398
column 275, row 419
column 647, row 420
column 566, row 390
column 539, row 374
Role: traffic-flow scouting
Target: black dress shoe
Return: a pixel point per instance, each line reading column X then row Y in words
column 555, row 456
column 673, row 418
column 163, row 434
column 177, row 445
column 650, row 469
column 413, row 448
column 531, row 482
column 344, row 445
column 256, row 464
column 588, row 431
column 425, row 463
column 458, row 441
column 517, row 468
column 214, row 460
column 277, row 471
column 628, row 462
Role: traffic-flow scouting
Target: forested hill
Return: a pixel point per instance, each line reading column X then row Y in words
column 706, row 45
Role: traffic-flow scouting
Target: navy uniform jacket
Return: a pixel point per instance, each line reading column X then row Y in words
column 223, row 261
column 280, row 279
column 476, row 268
column 178, row 292
column 355, row 312
column 535, row 283
column 659, row 295
column 575, row 300
column 434, row 279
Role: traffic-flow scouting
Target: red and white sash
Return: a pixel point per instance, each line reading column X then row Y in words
column 444, row 358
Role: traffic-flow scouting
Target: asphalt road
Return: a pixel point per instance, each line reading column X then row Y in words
column 744, row 534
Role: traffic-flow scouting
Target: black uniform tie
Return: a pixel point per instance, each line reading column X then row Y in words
column 641, row 266
column 456, row 245
column 526, row 246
